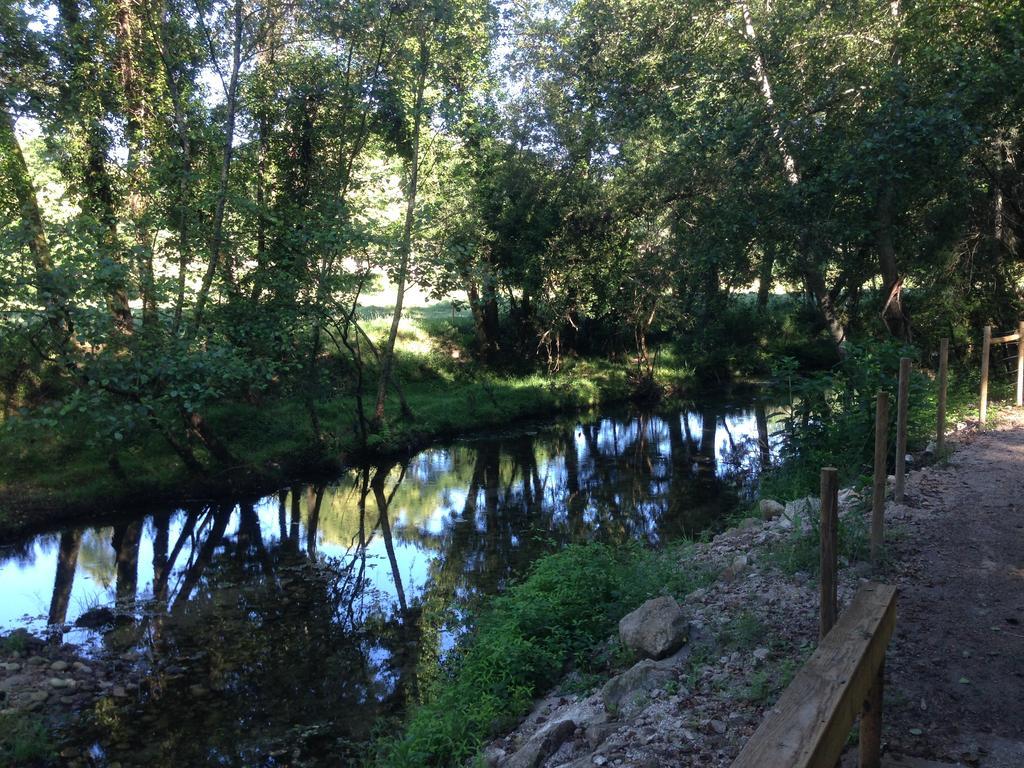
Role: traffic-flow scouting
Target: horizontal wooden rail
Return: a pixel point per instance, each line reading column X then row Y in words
column 1006, row 339
column 809, row 725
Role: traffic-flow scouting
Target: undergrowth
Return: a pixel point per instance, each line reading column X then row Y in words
column 24, row 740
column 524, row 641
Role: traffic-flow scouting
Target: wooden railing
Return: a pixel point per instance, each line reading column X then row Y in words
column 986, row 352
column 843, row 679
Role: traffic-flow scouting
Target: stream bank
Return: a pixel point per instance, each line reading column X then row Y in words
column 752, row 629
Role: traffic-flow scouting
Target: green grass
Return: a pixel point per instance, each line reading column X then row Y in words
column 44, row 471
column 800, row 551
column 524, row 641
column 24, row 740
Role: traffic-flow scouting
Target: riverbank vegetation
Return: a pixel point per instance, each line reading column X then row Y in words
column 199, row 198
column 557, row 620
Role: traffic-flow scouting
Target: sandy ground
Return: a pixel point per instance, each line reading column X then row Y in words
column 955, row 670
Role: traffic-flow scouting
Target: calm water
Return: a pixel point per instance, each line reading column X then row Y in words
column 283, row 629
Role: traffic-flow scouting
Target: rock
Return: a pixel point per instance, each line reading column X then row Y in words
column 803, row 509
column 655, row 629
column 739, row 564
column 749, row 522
column 35, row 661
column 197, row 690
column 493, row 756
column 10, row 666
column 770, row 509
column 627, row 692
column 599, row 760
column 15, row 682
column 717, row 726
column 82, row 668
column 96, row 618
column 59, row 682
column 597, row 734
column 59, row 666
column 542, row 744
column 760, row 654
column 847, row 497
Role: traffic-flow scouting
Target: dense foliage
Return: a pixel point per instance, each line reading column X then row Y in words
column 196, row 197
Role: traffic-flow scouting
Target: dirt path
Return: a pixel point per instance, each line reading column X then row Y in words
column 956, row 664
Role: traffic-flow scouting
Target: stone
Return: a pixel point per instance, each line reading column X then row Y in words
column 493, row 756
column 96, row 618
column 656, row 629
column 542, row 744
column 10, row 666
column 626, row 693
column 41, row 695
column 197, row 690
column 803, row 509
column 738, row 565
column 770, row 509
column 59, row 666
column 59, row 682
column 749, row 522
column 848, row 497
column 760, row 654
column 598, row 733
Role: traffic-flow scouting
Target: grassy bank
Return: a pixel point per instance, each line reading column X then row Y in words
column 524, row 641
column 47, row 474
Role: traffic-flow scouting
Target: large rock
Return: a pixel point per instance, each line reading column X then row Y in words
column 542, row 744
column 806, row 508
column 656, row 629
column 770, row 509
column 629, row 692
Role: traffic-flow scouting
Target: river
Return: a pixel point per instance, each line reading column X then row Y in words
column 288, row 629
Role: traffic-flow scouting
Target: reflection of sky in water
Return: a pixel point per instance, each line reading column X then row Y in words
column 426, row 514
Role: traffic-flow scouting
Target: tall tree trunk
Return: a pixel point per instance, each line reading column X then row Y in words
column 52, row 297
column 815, row 277
column 894, row 313
column 217, row 240
column 99, row 187
column 128, row 33
column 388, row 353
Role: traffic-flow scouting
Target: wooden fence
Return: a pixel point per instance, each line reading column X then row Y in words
column 842, row 680
column 986, row 353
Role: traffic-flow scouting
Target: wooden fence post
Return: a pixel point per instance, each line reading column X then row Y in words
column 829, row 549
column 871, row 723
column 940, row 431
column 902, row 407
column 986, row 346
column 878, row 492
column 1020, row 363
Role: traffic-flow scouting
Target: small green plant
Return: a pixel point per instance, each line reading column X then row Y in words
column 24, row 740
column 801, row 549
column 743, row 632
column 760, row 688
column 14, row 642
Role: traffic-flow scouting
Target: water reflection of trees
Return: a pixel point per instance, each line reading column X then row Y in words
column 262, row 608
